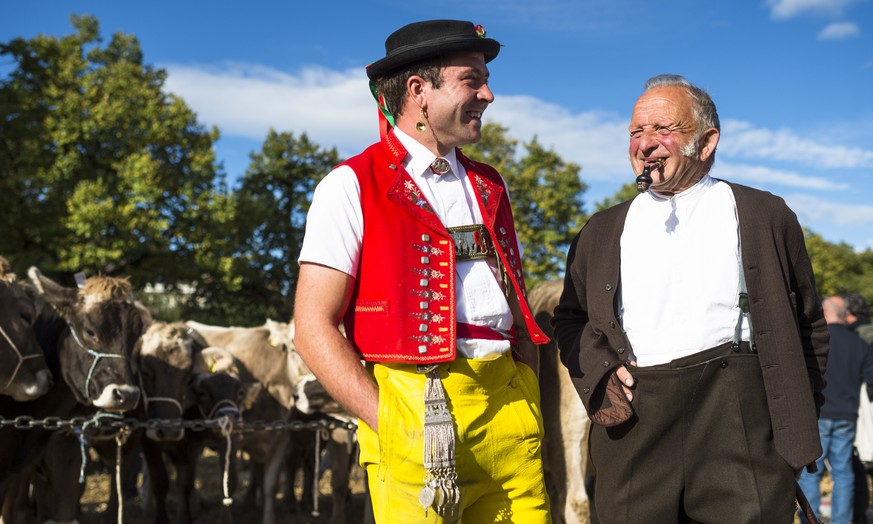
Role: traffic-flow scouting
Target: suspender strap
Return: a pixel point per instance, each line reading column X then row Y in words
column 743, row 301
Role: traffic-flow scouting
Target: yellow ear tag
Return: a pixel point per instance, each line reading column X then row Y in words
column 213, row 366
column 273, row 341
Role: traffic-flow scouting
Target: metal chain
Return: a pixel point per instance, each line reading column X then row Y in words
column 242, row 426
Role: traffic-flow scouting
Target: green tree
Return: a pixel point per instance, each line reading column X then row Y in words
column 546, row 194
column 270, row 208
column 100, row 169
column 838, row 268
column 625, row 192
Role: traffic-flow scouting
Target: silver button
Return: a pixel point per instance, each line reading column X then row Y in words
column 424, row 305
column 425, row 260
column 424, row 282
column 502, row 231
column 425, row 238
column 423, row 328
column 422, row 350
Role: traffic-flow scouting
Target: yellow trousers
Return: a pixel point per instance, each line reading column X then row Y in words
column 499, row 430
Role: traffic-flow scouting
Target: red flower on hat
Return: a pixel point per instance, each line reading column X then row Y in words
column 480, row 31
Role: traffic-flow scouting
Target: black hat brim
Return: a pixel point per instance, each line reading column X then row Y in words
column 418, row 52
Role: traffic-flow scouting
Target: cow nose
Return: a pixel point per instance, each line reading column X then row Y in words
column 44, row 382
column 118, row 398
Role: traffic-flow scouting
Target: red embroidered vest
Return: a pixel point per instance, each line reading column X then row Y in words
column 403, row 303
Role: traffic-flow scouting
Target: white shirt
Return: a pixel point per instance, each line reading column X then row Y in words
column 679, row 272
column 335, row 227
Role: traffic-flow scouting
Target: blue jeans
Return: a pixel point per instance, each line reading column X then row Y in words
column 837, row 439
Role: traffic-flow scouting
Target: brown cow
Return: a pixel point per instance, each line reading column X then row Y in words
column 163, row 363
column 95, row 331
column 215, row 392
column 24, row 374
column 87, row 336
column 266, row 355
column 565, row 445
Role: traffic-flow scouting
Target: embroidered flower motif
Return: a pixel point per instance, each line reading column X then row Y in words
column 436, row 251
column 439, row 296
column 481, row 187
column 480, row 31
column 439, row 339
column 434, row 273
column 438, row 318
column 415, row 196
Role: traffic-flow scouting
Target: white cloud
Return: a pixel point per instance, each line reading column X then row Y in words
column 834, row 220
column 759, row 175
column 597, row 141
column 782, row 9
column 744, row 140
column 839, row 31
column 838, row 212
column 334, row 108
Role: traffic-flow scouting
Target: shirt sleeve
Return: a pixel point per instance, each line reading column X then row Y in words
column 335, row 223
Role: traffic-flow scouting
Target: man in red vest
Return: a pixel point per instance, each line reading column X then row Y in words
column 412, row 247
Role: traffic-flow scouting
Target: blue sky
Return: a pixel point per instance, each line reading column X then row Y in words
column 792, row 79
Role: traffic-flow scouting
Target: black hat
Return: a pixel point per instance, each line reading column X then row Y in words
column 421, row 40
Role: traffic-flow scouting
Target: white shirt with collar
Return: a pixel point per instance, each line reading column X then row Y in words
column 335, row 226
column 679, row 285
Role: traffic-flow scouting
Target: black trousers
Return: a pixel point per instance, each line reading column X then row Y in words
column 699, row 448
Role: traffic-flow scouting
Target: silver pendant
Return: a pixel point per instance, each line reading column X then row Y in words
column 426, row 496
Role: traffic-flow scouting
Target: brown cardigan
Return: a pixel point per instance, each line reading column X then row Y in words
column 789, row 328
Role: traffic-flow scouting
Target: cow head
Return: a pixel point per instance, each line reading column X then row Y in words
column 312, row 398
column 23, row 371
column 216, row 389
column 163, row 360
column 103, row 324
column 282, row 383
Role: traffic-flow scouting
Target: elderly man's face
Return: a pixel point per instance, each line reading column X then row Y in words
column 663, row 129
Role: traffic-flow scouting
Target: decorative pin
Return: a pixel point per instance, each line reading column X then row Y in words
column 440, row 166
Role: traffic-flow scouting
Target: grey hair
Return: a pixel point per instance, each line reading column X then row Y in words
column 857, row 304
column 704, row 111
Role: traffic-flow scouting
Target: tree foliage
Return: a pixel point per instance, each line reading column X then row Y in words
column 838, row 268
column 100, row 169
column 546, row 194
column 270, row 218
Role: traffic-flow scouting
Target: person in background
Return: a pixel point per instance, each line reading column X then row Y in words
column 412, row 246
column 858, row 316
column 850, row 364
column 692, row 329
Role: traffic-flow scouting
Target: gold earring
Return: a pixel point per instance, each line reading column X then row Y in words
column 420, row 125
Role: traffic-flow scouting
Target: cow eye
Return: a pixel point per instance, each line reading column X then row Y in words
column 27, row 317
column 88, row 332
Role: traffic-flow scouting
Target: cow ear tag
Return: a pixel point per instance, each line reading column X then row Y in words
column 273, row 341
column 213, row 366
column 80, row 279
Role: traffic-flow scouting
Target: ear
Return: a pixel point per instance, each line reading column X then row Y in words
column 63, row 299
column 709, row 142
column 415, row 89
column 215, row 360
